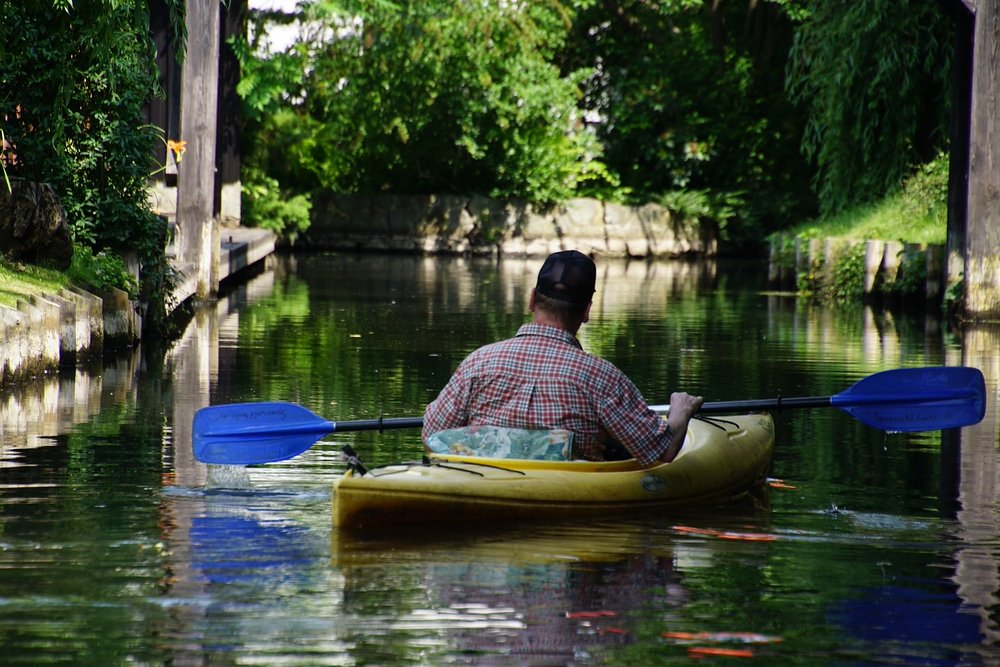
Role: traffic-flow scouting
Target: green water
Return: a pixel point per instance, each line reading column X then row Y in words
column 117, row 547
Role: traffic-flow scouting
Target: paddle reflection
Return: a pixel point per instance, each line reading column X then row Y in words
column 228, row 549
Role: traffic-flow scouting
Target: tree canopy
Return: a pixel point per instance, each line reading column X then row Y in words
column 875, row 79
column 754, row 114
column 424, row 97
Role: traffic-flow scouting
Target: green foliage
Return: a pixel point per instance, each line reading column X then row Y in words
column 704, row 205
column 924, row 194
column 911, row 277
column 808, row 281
column 422, row 97
column 690, row 97
column 74, row 82
column 104, row 271
column 177, row 11
column 918, row 213
column 673, row 101
column 265, row 205
column 847, row 279
column 875, row 78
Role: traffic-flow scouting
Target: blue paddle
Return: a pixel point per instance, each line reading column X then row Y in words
column 904, row 399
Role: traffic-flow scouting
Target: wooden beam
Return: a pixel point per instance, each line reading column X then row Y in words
column 982, row 242
column 197, row 225
column 958, row 157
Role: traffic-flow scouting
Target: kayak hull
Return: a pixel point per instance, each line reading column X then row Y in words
column 721, row 460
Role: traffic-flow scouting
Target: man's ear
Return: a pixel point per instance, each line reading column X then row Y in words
column 531, row 300
column 586, row 313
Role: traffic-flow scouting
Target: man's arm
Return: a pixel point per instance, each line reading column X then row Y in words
column 649, row 439
column 683, row 406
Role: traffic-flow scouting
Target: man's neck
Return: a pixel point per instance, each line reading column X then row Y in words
column 541, row 317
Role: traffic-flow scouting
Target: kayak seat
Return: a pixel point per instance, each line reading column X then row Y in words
column 503, row 443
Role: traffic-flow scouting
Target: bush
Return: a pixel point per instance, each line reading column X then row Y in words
column 75, row 79
column 847, row 280
column 103, row 271
column 265, row 205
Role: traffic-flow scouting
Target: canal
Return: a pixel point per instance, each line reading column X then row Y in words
column 117, row 547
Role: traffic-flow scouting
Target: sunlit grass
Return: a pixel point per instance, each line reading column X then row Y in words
column 17, row 281
column 889, row 220
column 918, row 213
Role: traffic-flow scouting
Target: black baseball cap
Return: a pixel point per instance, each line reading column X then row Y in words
column 568, row 275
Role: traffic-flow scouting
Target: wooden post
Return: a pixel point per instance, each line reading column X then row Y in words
column 197, row 225
column 227, row 184
column 982, row 239
column 874, row 253
column 958, row 158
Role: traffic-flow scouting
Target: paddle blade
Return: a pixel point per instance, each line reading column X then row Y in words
column 250, row 450
column 249, row 433
column 917, row 399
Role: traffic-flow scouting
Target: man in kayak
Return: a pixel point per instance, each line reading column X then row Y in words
column 542, row 379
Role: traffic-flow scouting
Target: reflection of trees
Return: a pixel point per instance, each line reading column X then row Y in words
column 75, row 479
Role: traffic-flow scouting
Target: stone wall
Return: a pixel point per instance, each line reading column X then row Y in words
column 812, row 265
column 478, row 225
column 47, row 330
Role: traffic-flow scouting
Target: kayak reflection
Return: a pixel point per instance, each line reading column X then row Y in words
column 536, row 593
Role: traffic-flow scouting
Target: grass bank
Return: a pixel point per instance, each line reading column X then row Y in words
column 890, row 249
column 918, row 213
column 101, row 271
column 18, row 281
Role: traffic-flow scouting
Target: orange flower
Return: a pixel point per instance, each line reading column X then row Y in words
column 178, row 147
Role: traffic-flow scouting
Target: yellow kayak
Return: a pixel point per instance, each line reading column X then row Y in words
column 722, row 459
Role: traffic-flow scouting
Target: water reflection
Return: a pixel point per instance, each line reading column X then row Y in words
column 33, row 413
column 978, row 530
column 538, row 595
column 112, row 533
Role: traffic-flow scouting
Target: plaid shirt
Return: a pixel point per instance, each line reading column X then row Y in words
column 543, row 379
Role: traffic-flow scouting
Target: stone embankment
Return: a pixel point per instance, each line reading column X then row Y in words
column 478, row 225
column 878, row 268
column 48, row 330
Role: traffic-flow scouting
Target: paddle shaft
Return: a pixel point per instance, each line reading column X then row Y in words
column 753, row 405
column 393, row 423
column 780, row 403
column 380, row 424
column 906, row 399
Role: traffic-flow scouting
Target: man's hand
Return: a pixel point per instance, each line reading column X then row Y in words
column 683, row 406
